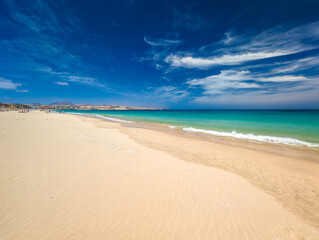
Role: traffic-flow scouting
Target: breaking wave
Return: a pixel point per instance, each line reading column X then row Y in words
column 114, row 119
column 250, row 136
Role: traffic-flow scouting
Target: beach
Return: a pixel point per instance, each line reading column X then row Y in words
column 74, row 177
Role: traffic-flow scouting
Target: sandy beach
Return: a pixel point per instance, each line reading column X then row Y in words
column 71, row 177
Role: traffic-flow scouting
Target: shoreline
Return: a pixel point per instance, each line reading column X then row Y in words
column 299, row 152
column 299, row 160
column 66, row 176
column 249, row 137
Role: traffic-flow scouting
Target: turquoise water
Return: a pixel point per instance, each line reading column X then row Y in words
column 278, row 126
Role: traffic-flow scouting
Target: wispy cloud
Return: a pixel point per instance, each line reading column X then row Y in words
column 23, row 90
column 229, row 38
column 41, row 15
column 71, row 77
column 204, row 63
column 297, row 39
column 236, row 50
column 233, row 80
column 170, row 93
column 284, row 78
column 62, row 83
column 264, row 99
column 226, row 80
column 85, row 80
column 11, row 85
column 296, row 65
column 244, row 84
column 161, row 42
column 8, row 84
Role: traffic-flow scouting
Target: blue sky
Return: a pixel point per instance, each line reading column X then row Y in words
column 172, row 54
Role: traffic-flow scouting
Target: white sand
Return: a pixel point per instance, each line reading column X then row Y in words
column 65, row 177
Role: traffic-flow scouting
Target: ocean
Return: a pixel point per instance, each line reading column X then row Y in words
column 291, row 127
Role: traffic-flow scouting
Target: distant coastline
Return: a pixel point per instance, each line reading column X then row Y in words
column 70, row 106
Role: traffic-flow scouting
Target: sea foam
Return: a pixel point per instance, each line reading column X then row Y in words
column 100, row 116
column 114, row 119
column 250, row 136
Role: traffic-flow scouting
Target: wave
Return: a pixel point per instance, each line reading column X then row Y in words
column 100, row 116
column 78, row 113
column 234, row 134
column 250, row 136
column 114, row 119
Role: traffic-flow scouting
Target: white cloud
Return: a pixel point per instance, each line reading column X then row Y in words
column 85, row 80
column 285, row 78
column 204, row 63
column 161, row 42
column 72, row 78
column 228, row 79
column 262, row 99
column 169, row 93
column 229, row 38
column 297, row 39
column 244, row 88
column 236, row 50
column 231, row 80
column 23, row 90
column 62, row 83
column 8, row 84
column 297, row 65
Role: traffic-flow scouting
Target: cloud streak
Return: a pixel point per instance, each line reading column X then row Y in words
column 11, row 85
column 170, row 93
column 205, row 63
column 226, row 80
column 62, row 83
column 231, row 85
column 8, row 84
column 23, row 90
column 71, row 77
column 161, row 42
column 237, row 50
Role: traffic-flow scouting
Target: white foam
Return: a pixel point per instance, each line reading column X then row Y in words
column 270, row 139
column 114, row 119
column 78, row 113
column 172, row 127
column 100, row 116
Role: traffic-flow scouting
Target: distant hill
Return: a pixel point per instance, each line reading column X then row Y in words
column 12, row 106
column 61, row 104
column 70, row 106
column 65, row 105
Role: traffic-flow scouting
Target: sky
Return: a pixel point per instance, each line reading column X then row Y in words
column 212, row 54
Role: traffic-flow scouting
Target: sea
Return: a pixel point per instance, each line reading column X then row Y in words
column 291, row 127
